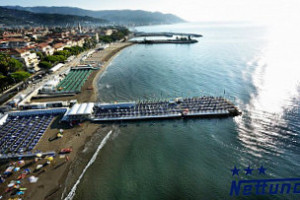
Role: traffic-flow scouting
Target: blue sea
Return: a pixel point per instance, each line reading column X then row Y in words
column 254, row 65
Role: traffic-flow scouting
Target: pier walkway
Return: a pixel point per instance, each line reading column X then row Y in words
column 176, row 41
column 165, row 34
column 178, row 108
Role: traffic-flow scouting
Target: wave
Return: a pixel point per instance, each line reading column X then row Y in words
column 73, row 190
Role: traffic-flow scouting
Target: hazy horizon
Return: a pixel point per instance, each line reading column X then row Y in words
column 190, row 10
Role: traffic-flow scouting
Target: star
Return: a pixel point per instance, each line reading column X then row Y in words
column 248, row 170
column 262, row 170
column 235, row 171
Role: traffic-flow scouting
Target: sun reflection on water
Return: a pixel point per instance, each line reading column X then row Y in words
column 276, row 80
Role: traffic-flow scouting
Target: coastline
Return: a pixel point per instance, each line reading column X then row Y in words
column 60, row 176
column 108, row 60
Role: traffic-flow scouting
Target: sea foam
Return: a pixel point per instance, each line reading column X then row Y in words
column 73, row 190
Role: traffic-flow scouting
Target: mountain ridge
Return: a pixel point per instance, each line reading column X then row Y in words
column 127, row 16
column 20, row 17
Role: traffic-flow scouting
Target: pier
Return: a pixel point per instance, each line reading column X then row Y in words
column 185, row 38
column 201, row 107
column 175, row 41
column 164, row 34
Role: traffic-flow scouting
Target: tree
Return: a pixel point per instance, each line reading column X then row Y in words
column 74, row 50
column 15, row 65
column 117, row 35
column 61, row 58
column 51, row 59
column 9, row 65
column 45, row 65
column 3, row 81
column 20, row 76
column 11, row 71
column 63, row 53
column 2, row 77
column 40, row 55
column 55, row 59
column 106, row 39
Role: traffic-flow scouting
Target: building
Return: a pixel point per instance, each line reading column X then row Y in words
column 56, row 67
column 79, row 42
column 59, row 46
column 44, row 48
column 50, row 86
column 14, row 43
column 109, row 32
column 7, row 34
column 79, row 28
column 30, row 60
column 79, row 112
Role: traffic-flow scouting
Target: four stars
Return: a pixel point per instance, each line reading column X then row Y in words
column 248, row 170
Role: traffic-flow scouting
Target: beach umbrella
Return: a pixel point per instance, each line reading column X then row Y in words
column 19, row 193
column 39, row 166
column 33, row 179
column 22, row 176
column 50, row 158
column 2, row 180
column 11, row 184
column 38, row 155
column 16, row 169
column 27, row 171
column 21, row 162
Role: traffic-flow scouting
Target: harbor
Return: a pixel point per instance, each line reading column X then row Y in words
column 169, row 38
column 171, row 41
column 165, row 34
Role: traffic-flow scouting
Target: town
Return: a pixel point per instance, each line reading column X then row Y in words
column 27, row 53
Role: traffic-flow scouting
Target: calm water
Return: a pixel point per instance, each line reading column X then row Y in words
column 257, row 68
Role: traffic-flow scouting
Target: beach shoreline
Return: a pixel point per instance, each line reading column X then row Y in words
column 62, row 174
column 105, row 65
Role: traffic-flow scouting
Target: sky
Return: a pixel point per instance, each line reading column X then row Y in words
column 191, row 10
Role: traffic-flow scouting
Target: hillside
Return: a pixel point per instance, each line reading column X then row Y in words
column 135, row 17
column 20, row 17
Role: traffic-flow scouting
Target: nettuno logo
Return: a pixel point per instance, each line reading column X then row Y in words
column 262, row 186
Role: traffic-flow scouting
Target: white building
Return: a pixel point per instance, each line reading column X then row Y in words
column 45, row 48
column 79, row 112
column 50, row 86
column 56, row 67
column 30, row 60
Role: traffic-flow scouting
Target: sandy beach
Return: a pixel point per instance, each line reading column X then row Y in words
column 87, row 94
column 52, row 179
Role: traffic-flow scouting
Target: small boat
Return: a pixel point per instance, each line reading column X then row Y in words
column 65, row 150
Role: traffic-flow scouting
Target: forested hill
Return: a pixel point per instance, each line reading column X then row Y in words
column 10, row 17
column 125, row 17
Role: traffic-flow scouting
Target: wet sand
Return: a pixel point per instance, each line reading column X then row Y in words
column 52, row 180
